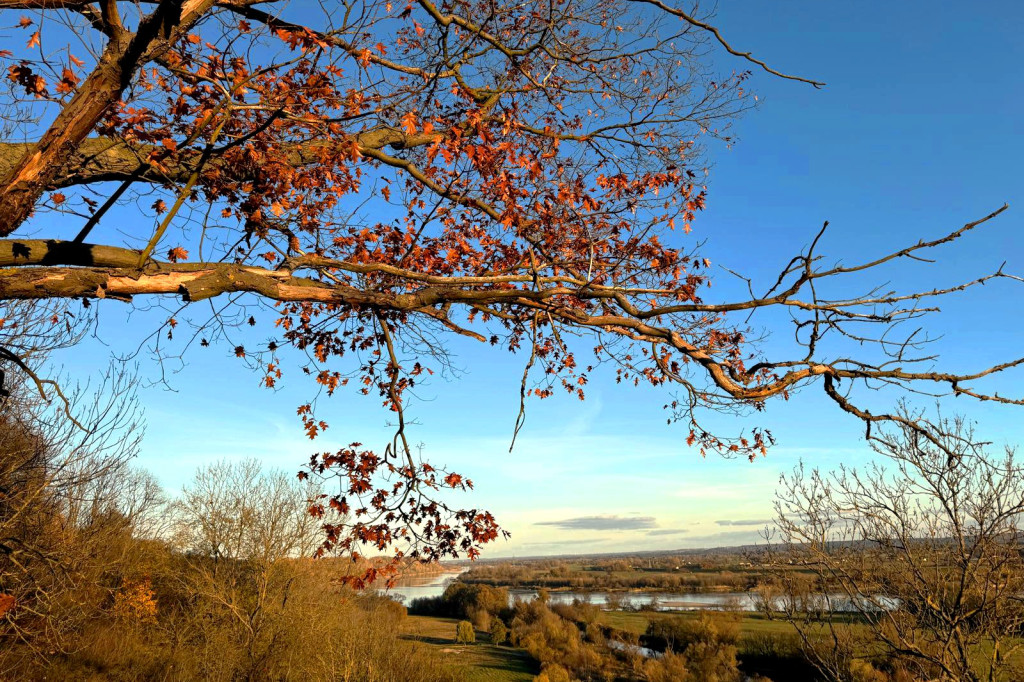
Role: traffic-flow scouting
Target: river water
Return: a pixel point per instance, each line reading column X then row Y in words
column 434, row 585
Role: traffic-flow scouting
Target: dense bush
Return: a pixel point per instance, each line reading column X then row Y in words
column 581, row 612
column 696, row 649
column 554, row 641
column 553, row 673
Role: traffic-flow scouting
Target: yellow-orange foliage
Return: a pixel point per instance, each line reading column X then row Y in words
column 136, row 602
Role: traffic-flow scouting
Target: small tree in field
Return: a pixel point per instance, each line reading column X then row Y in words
column 464, row 633
column 499, row 633
column 923, row 546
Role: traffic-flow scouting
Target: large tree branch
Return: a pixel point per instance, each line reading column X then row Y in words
column 100, row 159
column 33, row 174
column 199, row 281
column 37, row 269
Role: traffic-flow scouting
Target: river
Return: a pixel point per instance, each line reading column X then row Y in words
column 434, row 585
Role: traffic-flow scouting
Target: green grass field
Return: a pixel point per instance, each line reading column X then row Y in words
column 480, row 662
column 628, row 621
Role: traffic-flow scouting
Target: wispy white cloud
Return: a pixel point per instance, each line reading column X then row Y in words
column 558, row 543
column 603, row 523
column 744, row 522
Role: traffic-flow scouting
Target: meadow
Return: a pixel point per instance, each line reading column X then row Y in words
column 478, row 662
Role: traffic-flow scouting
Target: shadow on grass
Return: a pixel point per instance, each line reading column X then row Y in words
column 436, row 641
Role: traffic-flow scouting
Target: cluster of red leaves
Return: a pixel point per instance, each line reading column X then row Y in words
column 405, row 513
column 33, row 83
column 27, row 72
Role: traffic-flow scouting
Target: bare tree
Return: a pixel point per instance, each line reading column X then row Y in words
column 922, row 547
column 67, row 494
column 237, row 511
column 248, row 537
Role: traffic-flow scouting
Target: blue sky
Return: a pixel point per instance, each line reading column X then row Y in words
column 918, row 131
